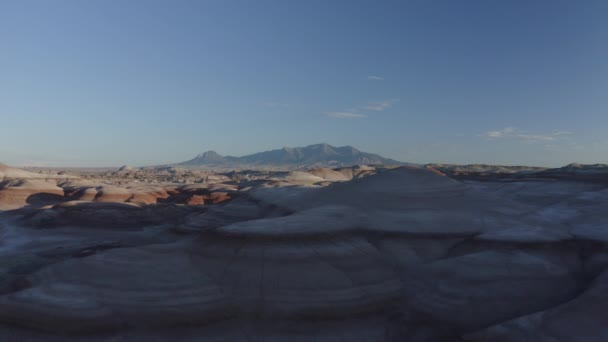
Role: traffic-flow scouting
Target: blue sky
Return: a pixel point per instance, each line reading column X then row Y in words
column 103, row 83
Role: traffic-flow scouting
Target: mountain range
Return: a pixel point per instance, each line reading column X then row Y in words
column 318, row 155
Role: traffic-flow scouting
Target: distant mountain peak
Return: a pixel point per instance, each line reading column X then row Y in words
column 211, row 155
column 317, row 155
column 319, row 145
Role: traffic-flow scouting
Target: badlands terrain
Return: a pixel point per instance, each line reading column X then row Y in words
column 348, row 253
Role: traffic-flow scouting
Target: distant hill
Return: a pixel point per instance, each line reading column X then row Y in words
column 7, row 172
column 319, row 155
column 484, row 168
column 580, row 169
column 582, row 172
column 573, row 172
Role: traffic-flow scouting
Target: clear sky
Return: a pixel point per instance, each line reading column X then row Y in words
column 104, row 83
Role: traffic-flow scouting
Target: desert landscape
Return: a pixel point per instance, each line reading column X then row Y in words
column 350, row 253
column 303, row 171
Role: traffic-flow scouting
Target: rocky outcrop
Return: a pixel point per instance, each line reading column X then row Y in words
column 18, row 193
column 330, row 174
column 405, row 254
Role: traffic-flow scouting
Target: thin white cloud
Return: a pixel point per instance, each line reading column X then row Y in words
column 516, row 134
column 375, row 78
column 354, row 112
column 498, row 134
column 344, row 115
column 381, row 105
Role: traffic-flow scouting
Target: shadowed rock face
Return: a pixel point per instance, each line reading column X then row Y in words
column 404, row 254
column 573, row 172
column 581, row 319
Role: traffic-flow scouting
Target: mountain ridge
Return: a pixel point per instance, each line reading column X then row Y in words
column 317, row 155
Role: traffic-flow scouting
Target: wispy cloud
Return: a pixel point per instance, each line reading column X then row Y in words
column 344, row 115
column 381, row 105
column 375, row 78
column 517, row 134
column 355, row 112
column 498, row 134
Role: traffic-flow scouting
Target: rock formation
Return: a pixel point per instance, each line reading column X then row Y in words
column 357, row 254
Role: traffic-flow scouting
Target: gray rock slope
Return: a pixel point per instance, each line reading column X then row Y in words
column 406, row 254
